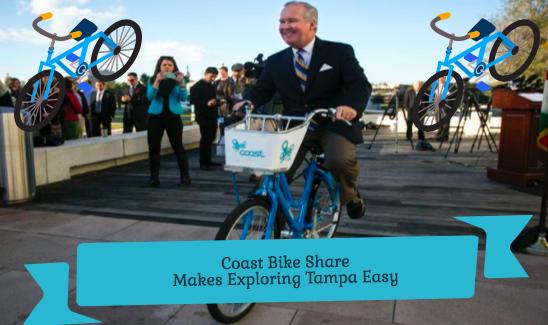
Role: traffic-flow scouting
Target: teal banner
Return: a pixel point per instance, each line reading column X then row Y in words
column 200, row 272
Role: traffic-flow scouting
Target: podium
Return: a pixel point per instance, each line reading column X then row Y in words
column 520, row 159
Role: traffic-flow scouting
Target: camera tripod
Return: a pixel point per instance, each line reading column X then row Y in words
column 393, row 114
column 469, row 100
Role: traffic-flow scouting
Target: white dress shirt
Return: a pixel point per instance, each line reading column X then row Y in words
column 307, row 52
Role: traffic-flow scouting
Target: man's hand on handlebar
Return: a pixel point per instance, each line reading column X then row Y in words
column 237, row 108
column 345, row 113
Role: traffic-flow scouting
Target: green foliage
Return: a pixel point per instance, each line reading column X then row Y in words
column 144, row 78
column 535, row 11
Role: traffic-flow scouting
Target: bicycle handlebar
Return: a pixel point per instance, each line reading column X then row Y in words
column 329, row 113
column 447, row 35
column 47, row 16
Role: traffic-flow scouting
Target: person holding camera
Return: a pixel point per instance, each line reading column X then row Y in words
column 226, row 88
column 166, row 90
column 203, row 96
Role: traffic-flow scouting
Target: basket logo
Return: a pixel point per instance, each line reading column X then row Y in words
column 240, row 148
column 286, row 151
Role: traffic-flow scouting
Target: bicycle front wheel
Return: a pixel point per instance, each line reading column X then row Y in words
column 526, row 36
column 325, row 210
column 127, row 35
column 430, row 113
column 39, row 110
column 257, row 210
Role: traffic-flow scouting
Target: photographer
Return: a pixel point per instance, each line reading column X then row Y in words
column 226, row 88
column 166, row 90
column 203, row 97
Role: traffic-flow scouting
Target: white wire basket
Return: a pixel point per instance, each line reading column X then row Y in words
column 263, row 144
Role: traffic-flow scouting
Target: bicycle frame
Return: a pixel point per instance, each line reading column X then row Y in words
column 450, row 63
column 277, row 189
column 50, row 63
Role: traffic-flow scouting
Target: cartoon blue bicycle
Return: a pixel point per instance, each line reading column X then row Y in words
column 512, row 53
column 117, row 47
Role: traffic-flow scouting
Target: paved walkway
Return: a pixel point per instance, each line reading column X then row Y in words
column 411, row 193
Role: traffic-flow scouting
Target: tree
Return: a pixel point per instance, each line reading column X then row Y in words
column 535, row 11
column 144, row 78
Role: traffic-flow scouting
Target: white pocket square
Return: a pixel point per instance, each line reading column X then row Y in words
column 326, row 67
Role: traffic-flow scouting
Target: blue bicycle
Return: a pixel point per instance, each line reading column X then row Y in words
column 41, row 99
column 511, row 54
column 264, row 213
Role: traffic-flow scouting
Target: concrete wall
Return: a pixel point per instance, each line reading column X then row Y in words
column 56, row 164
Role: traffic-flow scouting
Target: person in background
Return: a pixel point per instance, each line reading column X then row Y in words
column 54, row 132
column 15, row 87
column 203, row 97
column 135, row 104
column 103, row 108
column 443, row 132
column 226, row 88
column 73, row 109
column 166, row 90
column 408, row 101
column 85, row 109
column 5, row 96
column 239, row 81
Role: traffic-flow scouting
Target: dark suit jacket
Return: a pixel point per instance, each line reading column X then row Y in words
column 344, row 84
column 138, row 102
column 108, row 104
column 409, row 98
column 5, row 100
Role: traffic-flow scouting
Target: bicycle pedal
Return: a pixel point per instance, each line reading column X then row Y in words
column 470, row 57
column 85, row 86
column 72, row 57
column 285, row 234
column 483, row 86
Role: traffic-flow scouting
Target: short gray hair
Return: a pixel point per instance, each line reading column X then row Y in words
column 310, row 12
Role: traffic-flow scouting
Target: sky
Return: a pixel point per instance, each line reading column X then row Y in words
column 392, row 39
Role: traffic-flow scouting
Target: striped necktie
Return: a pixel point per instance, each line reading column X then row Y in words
column 301, row 69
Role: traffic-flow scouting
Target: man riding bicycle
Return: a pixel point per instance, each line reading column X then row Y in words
column 310, row 74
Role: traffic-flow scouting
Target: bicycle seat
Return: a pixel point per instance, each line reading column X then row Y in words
column 484, row 27
column 86, row 27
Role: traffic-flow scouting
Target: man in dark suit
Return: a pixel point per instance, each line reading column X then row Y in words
column 134, row 99
column 313, row 74
column 103, row 108
column 408, row 102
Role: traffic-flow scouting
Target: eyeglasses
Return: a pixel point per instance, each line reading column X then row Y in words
column 131, row 80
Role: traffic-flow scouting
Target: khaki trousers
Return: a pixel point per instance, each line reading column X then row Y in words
column 340, row 160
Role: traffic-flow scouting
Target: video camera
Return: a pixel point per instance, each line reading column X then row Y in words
column 255, row 70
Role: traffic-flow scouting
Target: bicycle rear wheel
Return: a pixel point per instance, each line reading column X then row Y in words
column 38, row 110
column 127, row 35
column 258, row 210
column 324, row 210
column 526, row 36
column 431, row 113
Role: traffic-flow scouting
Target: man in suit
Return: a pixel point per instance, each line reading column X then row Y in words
column 311, row 74
column 408, row 102
column 134, row 99
column 103, row 108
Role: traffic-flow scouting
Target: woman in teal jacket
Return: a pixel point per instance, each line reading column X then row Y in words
column 166, row 90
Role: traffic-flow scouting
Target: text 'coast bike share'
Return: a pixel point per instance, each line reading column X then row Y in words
column 511, row 54
column 114, row 53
